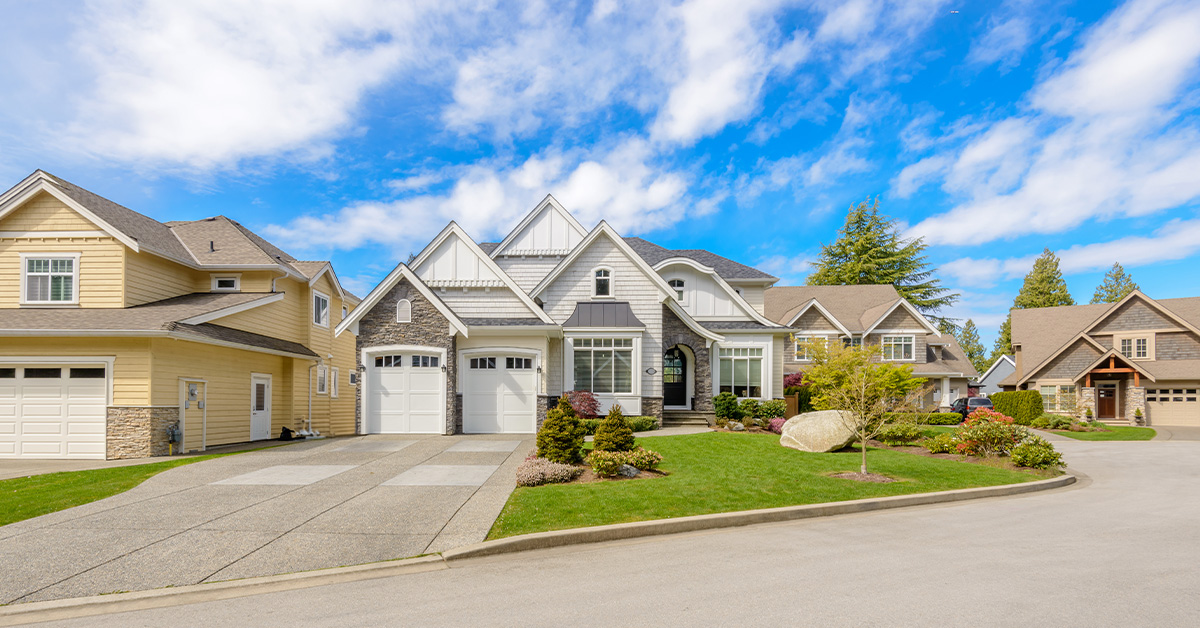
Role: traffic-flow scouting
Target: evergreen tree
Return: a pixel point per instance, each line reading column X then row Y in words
column 968, row 339
column 870, row 250
column 1044, row 287
column 1116, row 286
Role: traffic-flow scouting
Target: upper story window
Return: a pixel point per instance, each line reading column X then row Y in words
column 50, row 279
column 677, row 284
column 602, row 283
column 803, row 352
column 345, row 312
column 1135, row 348
column 852, row 341
column 403, row 311
column 322, row 380
column 320, row 309
column 226, row 283
column 897, row 348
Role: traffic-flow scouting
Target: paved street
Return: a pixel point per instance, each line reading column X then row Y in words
column 1119, row 549
column 310, row 505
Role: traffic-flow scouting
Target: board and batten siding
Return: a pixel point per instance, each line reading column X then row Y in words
column 702, row 296
column 629, row 284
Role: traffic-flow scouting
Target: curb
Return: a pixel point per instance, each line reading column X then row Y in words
column 599, row 534
column 53, row 610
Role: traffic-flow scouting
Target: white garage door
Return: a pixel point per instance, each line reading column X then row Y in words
column 406, row 394
column 499, row 395
column 53, row 411
column 1177, row 405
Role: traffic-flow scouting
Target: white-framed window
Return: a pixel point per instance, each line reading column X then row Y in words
column 603, row 365
column 51, row 278
column 403, row 311
column 602, row 283
column 426, row 361
column 483, row 363
column 1141, row 348
column 677, row 285
column 226, row 283
column 322, row 380
column 1058, row 397
column 897, row 348
column 345, row 313
column 801, row 349
column 389, row 361
column 518, row 364
column 353, row 378
column 320, row 309
column 333, row 382
column 741, row 371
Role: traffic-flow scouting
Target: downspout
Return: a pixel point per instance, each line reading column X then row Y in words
column 282, row 274
column 308, row 430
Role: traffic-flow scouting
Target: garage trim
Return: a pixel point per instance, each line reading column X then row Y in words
column 107, row 361
column 366, row 359
column 464, row 356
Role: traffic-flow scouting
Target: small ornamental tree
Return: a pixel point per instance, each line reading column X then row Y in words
column 614, row 433
column 584, row 404
column 853, row 380
column 561, row 437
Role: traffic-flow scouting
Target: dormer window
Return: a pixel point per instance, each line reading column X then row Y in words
column 602, row 283
column 50, row 279
column 677, row 284
column 226, row 283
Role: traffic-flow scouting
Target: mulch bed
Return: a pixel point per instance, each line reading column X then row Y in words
column 873, row 478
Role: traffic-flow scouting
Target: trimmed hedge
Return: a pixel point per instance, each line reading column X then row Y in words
column 937, row 418
column 1024, row 406
column 636, row 423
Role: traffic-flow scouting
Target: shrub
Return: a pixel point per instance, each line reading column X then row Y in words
column 1040, row 423
column 771, row 409
column 776, row 425
column 539, row 471
column 793, row 380
column 1036, row 453
column 804, row 400
column 608, row 463
column 614, row 433
column 899, row 433
column 788, row 391
column 643, row 459
column 986, row 433
column 749, row 407
column 937, row 418
column 1022, row 405
column 642, row 423
column 1058, row 422
column 940, row 444
column 584, row 403
column 561, row 437
column 725, row 406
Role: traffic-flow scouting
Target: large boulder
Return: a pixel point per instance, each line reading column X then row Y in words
column 818, row 432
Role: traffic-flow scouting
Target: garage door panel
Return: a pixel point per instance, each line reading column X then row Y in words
column 53, row 417
column 1173, row 403
column 39, row 411
column 85, row 428
column 8, row 427
column 406, row 399
column 31, row 391
column 41, row 448
column 8, row 448
column 85, row 450
column 499, row 400
column 42, row 428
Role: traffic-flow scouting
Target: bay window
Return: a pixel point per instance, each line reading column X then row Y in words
column 897, row 348
column 741, row 371
column 603, row 365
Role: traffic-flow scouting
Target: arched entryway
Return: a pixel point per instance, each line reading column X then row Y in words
column 678, row 368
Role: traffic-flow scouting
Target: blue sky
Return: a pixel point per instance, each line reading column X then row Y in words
column 354, row 130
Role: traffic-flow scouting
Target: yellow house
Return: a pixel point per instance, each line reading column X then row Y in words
column 116, row 329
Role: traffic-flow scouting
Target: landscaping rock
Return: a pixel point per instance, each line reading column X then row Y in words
column 818, row 432
column 628, row 471
column 737, row 427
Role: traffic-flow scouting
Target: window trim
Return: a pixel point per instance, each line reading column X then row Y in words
column 408, row 314
column 636, row 361
column 345, row 312
column 1059, row 385
column 681, row 293
column 75, row 257
column 912, row 338
column 594, row 275
column 1133, row 338
column 801, row 338
column 313, row 309
column 765, row 368
column 322, row 379
column 237, row 282
column 334, row 373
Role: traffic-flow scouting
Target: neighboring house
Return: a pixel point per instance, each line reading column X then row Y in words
column 989, row 382
column 482, row 338
column 1112, row 358
column 871, row 315
column 115, row 327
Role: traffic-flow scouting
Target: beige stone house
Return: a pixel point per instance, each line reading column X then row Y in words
column 1116, row 359
column 115, row 327
column 871, row 315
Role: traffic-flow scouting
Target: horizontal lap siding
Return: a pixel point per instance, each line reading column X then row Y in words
column 813, row 320
column 528, row 272
column 478, row 303
column 131, row 368
column 100, row 267
column 1172, row 346
column 901, row 319
column 44, row 212
column 756, row 297
column 151, row 278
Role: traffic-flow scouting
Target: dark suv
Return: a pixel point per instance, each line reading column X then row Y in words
column 966, row 405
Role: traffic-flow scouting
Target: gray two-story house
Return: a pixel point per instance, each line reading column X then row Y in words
column 871, row 315
column 1115, row 359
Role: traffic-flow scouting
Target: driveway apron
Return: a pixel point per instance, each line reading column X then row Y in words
column 311, row 505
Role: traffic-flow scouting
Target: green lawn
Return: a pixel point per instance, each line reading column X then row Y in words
column 1117, row 432
column 25, row 498
column 930, row 431
column 722, row 472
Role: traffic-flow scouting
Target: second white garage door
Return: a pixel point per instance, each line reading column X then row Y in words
column 406, row 395
column 1177, row 405
column 499, row 395
column 53, row 411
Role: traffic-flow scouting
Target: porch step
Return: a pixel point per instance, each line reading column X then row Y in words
column 679, row 418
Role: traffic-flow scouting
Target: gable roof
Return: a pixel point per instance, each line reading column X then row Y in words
column 998, row 361
column 900, row 304
column 951, row 360
column 401, row 271
column 603, row 229
column 855, row 308
column 725, row 267
column 737, row 299
column 813, row 303
column 548, row 204
column 1115, row 355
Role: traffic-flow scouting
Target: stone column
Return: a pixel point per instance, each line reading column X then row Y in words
column 1087, row 401
column 1135, row 400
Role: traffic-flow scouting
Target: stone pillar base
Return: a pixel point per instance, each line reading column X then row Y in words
column 139, row 431
column 1087, row 401
column 653, row 406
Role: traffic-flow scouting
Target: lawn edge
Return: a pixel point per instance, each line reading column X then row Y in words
column 655, row 527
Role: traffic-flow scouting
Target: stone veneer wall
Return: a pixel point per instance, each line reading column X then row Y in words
column 1135, row 399
column 675, row 332
column 1087, row 401
column 139, row 431
column 653, row 406
column 543, row 406
column 428, row 328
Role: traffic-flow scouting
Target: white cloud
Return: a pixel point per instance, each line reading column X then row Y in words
column 1105, row 138
column 1005, row 42
column 791, row 270
column 914, row 176
column 204, row 85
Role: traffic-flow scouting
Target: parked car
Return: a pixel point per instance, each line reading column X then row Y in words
column 967, row 405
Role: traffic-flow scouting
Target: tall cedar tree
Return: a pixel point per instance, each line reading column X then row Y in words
column 968, row 339
column 1116, row 286
column 1044, row 287
column 870, row 250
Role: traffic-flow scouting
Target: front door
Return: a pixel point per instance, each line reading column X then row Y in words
column 1106, row 402
column 260, row 407
column 675, row 378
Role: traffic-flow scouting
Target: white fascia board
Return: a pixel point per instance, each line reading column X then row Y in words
column 824, row 312
column 603, row 330
column 746, row 308
column 233, row 309
column 1003, row 358
column 603, row 229
column 902, row 302
column 328, row 268
column 548, row 204
column 678, row 310
column 402, row 271
column 40, row 184
column 142, row 333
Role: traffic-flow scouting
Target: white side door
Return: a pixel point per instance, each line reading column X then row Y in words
column 260, row 407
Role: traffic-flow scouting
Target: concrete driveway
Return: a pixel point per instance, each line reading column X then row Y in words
column 311, row 505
